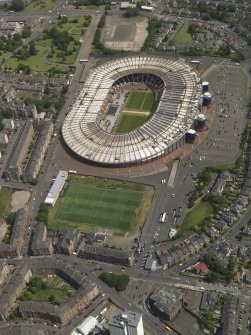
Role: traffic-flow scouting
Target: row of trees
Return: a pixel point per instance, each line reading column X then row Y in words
column 98, row 47
column 89, row 2
column 10, row 221
column 131, row 12
column 154, row 27
column 224, row 51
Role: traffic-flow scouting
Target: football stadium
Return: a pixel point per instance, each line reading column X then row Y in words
column 132, row 111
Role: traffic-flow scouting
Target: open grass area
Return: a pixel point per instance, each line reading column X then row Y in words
column 35, row 62
column 195, row 217
column 128, row 122
column 92, row 205
column 183, row 36
column 5, row 199
column 44, row 5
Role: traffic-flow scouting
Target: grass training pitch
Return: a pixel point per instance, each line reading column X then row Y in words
column 87, row 204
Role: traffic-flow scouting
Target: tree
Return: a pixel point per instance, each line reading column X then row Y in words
column 26, row 32
column 212, row 277
column 207, row 321
column 24, row 68
column 120, row 282
column 17, row 5
column 32, row 49
column 52, row 298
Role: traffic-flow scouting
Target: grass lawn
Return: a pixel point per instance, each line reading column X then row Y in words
column 44, row 295
column 5, row 199
column 194, row 217
column 44, row 5
column 96, row 206
column 70, row 25
column 135, row 100
column 128, row 122
column 55, row 287
column 183, row 37
column 35, row 62
column 76, row 31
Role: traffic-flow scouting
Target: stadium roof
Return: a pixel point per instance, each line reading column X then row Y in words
column 175, row 113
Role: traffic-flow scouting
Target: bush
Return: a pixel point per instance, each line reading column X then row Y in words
column 11, row 218
column 131, row 12
column 120, row 282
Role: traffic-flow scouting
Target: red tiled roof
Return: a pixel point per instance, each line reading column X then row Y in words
column 202, row 267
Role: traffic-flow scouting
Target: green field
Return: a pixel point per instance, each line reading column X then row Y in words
column 195, row 217
column 135, row 100
column 96, row 205
column 128, row 122
column 140, row 101
column 143, row 103
column 148, row 102
column 183, row 36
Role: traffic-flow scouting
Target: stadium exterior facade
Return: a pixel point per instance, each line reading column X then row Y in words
column 161, row 134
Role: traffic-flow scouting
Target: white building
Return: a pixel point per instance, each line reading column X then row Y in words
column 56, row 188
column 88, row 325
column 3, row 138
column 127, row 323
column 127, row 4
